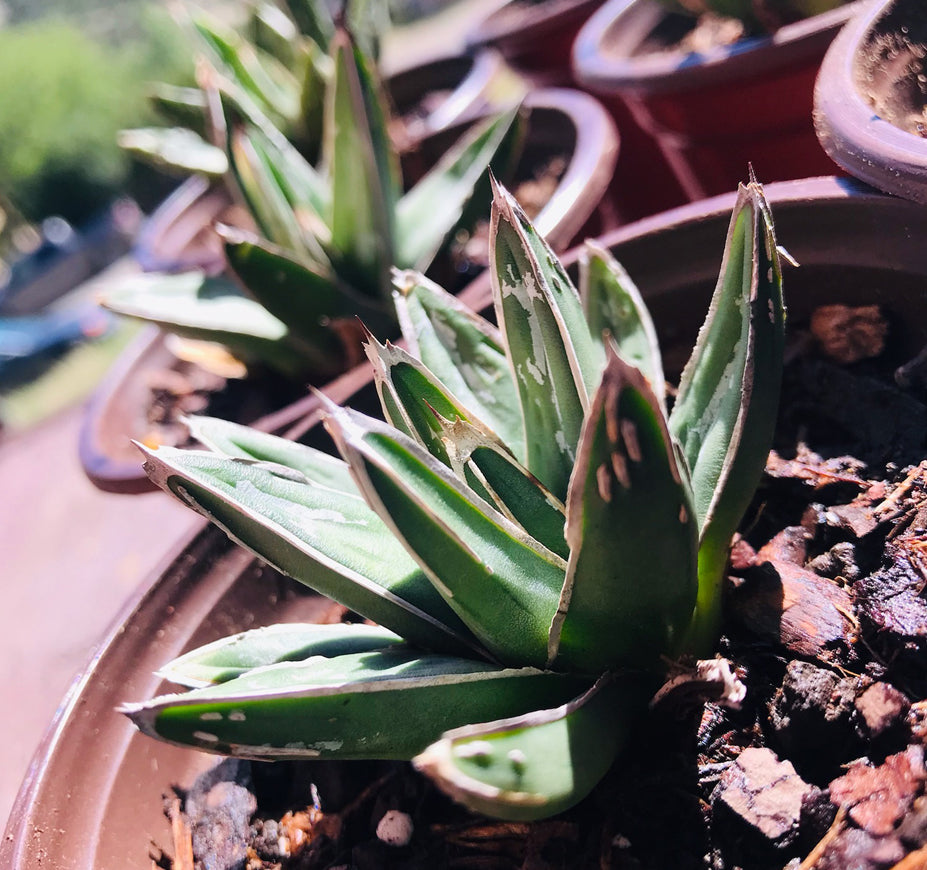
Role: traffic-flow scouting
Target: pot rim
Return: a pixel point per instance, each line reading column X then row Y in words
column 631, row 21
column 591, row 165
column 498, row 27
column 866, row 145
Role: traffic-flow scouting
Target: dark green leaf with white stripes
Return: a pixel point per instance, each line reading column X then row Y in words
column 388, row 704
column 231, row 657
column 463, row 350
column 327, row 539
column 631, row 579
column 501, row 583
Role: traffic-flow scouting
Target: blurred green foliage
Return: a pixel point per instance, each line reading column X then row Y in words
column 69, row 83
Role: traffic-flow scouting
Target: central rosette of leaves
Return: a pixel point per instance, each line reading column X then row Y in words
column 531, row 529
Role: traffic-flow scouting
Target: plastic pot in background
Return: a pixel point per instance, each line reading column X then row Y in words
column 534, row 38
column 712, row 113
column 871, row 97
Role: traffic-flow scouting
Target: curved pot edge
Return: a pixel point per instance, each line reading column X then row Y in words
column 589, row 173
column 671, row 72
column 848, row 128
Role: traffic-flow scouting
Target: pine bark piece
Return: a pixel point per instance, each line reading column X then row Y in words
column 763, row 796
column 795, row 608
column 882, row 708
column 812, row 717
column 879, row 797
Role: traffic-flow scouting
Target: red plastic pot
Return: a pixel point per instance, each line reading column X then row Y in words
column 713, row 113
column 535, row 38
column 870, row 96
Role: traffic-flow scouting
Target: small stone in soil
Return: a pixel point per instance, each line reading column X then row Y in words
column 220, row 806
column 893, row 615
column 882, row 709
column 838, row 561
column 395, row 828
column 854, row 849
column 848, row 334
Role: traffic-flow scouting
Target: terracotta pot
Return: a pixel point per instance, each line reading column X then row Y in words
column 712, row 114
column 562, row 123
column 93, row 794
column 870, row 97
column 535, row 38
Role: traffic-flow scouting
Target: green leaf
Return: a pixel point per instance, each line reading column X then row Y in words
column 426, row 214
column 631, row 579
column 180, row 106
column 259, row 182
column 729, row 392
column 175, row 148
column 502, row 584
column 258, row 74
column 314, row 19
column 463, row 350
column 488, row 467
column 533, row 766
column 389, row 704
column 613, row 305
column 305, row 189
column 231, row 657
column 364, row 173
column 243, row 442
column 311, row 303
column 410, row 395
column 550, row 347
column 208, row 309
column 420, row 406
column 275, row 33
column 327, row 539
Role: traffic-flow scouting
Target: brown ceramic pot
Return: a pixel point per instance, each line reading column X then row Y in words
column 871, row 97
column 535, row 38
column 712, row 113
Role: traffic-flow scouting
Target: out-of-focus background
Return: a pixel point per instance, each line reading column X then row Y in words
column 72, row 74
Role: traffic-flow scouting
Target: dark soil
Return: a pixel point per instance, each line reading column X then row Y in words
column 822, row 766
column 185, row 389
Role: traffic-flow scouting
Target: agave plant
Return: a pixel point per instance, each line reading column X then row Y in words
column 328, row 235
column 758, row 15
column 279, row 60
column 530, row 531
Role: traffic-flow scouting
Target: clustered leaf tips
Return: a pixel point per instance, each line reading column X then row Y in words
column 531, row 529
column 301, row 144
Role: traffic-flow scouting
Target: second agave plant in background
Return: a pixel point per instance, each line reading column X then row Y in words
column 532, row 531
column 328, row 235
